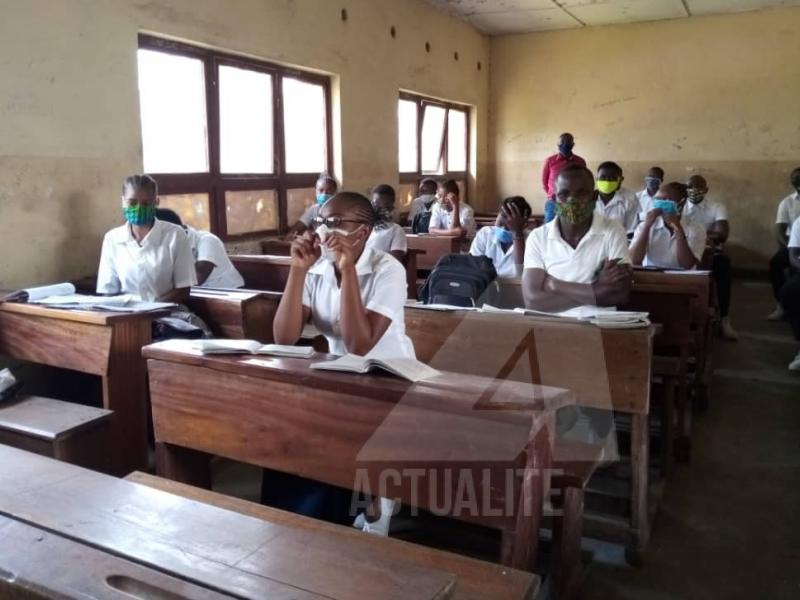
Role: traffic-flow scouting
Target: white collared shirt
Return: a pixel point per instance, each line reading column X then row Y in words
column 382, row 281
column 662, row 247
column 789, row 209
column 622, row 208
column 546, row 249
column 418, row 205
column 486, row 244
column 442, row 219
column 209, row 248
column 388, row 239
column 162, row 263
column 645, row 203
column 794, row 235
column 705, row 214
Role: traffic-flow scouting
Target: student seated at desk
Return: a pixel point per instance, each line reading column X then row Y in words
column 425, row 201
column 355, row 296
column 211, row 263
column 652, row 181
column 788, row 213
column 712, row 216
column 790, row 292
column 664, row 240
column 387, row 236
column 451, row 216
column 504, row 243
column 614, row 201
column 325, row 188
column 581, row 256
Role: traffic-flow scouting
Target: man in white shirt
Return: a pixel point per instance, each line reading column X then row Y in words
column 652, row 181
column 712, row 216
column 614, row 201
column 387, row 236
column 324, row 189
column 663, row 240
column 504, row 242
column 425, row 200
column 451, row 216
column 788, row 213
column 147, row 258
column 790, row 292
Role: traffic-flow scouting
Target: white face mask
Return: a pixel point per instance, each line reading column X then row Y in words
column 324, row 232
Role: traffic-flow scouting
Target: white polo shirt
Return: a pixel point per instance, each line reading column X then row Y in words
column 794, row 235
column 311, row 213
column 789, row 209
column 622, row 208
column 161, row 264
column 546, row 249
column 382, row 281
column 208, row 247
column 662, row 247
column 442, row 219
column 705, row 214
column 418, row 205
column 389, row 239
column 486, row 244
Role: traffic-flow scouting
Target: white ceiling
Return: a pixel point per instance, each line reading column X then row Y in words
column 497, row 17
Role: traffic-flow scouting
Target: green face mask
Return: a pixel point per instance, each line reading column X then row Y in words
column 575, row 211
column 607, row 187
column 139, row 214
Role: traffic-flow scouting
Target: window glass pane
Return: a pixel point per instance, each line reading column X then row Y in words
column 456, row 140
column 407, row 135
column 172, row 98
column 432, row 135
column 304, row 126
column 191, row 208
column 245, row 121
column 251, row 211
column 296, row 203
column 406, row 192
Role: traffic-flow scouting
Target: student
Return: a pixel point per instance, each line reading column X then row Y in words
column 425, row 200
column 147, row 258
column 450, row 215
column 652, row 181
column 553, row 166
column 614, row 201
column 504, row 243
column 788, row 213
column 712, row 216
column 325, row 188
column 386, row 235
column 355, row 296
column 211, row 263
column 580, row 257
column 663, row 240
column 790, row 292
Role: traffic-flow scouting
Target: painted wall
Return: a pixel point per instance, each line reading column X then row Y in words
column 716, row 95
column 69, row 115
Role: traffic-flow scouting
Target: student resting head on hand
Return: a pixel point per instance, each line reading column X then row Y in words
column 386, row 236
column 504, row 243
column 451, row 216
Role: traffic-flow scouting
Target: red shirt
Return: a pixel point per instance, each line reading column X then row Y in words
column 553, row 166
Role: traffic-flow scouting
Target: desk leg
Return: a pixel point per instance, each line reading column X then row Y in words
column 183, row 465
column 125, row 392
column 667, row 424
column 411, row 275
column 640, row 527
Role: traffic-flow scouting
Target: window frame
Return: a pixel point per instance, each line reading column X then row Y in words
column 421, row 102
column 214, row 182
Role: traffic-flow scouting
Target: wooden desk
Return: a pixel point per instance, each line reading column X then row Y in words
column 276, row 247
column 434, row 247
column 263, row 271
column 108, row 345
column 410, row 262
column 216, row 551
column 348, row 430
column 236, row 314
column 487, row 219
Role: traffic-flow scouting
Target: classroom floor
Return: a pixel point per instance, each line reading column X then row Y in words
column 729, row 522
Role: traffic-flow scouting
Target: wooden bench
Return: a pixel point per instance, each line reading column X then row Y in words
column 62, row 430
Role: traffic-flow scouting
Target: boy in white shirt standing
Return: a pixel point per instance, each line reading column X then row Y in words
column 713, row 217
column 788, row 213
column 790, row 292
column 614, row 201
column 451, row 216
column 504, row 243
column 387, row 235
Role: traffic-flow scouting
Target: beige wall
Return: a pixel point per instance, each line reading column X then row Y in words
column 69, row 120
column 715, row 95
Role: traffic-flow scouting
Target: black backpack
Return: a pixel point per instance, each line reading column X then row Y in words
column 422, row 220
column 458, row 280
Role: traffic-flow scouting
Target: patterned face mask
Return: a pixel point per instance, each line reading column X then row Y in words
column 696, row 196
column 139, row 214
column 575, row 211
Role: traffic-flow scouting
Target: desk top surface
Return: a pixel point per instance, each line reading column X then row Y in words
column 93, row 317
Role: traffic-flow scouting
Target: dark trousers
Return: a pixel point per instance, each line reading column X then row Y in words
column 721, row 272
column 306, row 497
column 777, row 270
column 790, row 301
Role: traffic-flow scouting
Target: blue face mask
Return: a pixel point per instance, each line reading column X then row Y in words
column 323, row 198
column 503, row 235
column 668, row 207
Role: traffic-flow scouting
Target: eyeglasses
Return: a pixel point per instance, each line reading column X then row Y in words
column 334, row 222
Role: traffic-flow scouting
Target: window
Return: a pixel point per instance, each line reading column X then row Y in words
column 234, row 143
column 433, row 139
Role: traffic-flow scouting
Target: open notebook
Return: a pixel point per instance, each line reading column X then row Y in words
column 407, row 368
column 251, row 347
column 607, row 317
column 62, row 295
column 38, row 293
